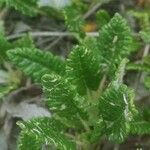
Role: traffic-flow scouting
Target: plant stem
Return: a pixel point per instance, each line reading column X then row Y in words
column 49, row 33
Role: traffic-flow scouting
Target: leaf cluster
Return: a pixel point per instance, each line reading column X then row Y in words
column 85, row 92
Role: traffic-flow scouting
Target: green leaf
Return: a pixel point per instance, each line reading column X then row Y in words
column 143, row 18
column 144, row 21
column 115, row 110
column 37, row 132
column 4, row 90
column 146, row 113
column 62, row 99
column 91, row 44
column 73, row 17
column 84, row 69
column 144, row 65
column 27, row 7
column 27, row 139
column 102, row 18
column 138, row 67
column 140, row 127
column 145, row 36
column 4, row 46
column 25, row 41
column 97, row 132
column 147, row 82
column 36, row 63
column 114, row 43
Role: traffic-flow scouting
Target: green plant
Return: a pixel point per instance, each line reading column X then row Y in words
column 85, row 92
column 143, row 65
column 10, row 78
column 28, row 7
column 144, row 22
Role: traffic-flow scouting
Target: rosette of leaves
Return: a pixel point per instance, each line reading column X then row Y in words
column 85, row 107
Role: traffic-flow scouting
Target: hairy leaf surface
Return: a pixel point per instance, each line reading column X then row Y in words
column 140, row 127
column 116, row 112
column 37, row 132
column 27, row 7
column 84, row 69
column 61, row 98
column 36, row 63
column 114, row 43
